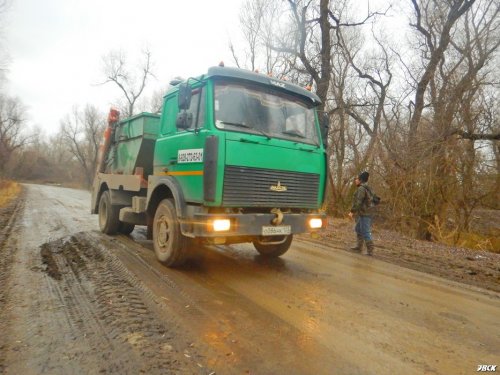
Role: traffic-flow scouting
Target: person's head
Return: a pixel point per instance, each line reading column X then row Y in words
column 362, row 178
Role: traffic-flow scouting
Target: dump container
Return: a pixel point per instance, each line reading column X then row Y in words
column 134, row 143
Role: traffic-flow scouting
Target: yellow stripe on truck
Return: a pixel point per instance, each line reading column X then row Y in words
column 180, row 173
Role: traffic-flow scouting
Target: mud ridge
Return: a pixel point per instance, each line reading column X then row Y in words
column 103, row 297
column 8, row 218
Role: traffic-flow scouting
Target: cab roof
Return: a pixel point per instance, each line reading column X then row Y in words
column 242, row 74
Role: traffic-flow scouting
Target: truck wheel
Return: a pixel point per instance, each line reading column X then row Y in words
column 273, row 250
column 108, row 215
column 126, row 228
column 169, row 243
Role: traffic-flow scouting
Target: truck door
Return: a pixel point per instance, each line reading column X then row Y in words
column 179, row 152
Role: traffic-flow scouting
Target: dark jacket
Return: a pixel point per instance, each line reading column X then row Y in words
column 361, row 201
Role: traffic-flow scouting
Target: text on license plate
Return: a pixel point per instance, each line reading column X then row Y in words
column 276, row 231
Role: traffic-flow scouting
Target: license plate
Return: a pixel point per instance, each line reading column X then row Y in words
column 277, row 231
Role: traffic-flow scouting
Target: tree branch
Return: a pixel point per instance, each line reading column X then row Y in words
column 475, row 136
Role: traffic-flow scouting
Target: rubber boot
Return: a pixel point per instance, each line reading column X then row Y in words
column 369, row 248
column 359, row 247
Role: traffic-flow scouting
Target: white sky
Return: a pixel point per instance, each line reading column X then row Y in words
column 56, row 47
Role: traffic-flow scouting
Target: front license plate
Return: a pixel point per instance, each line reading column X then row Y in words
column 277, row 231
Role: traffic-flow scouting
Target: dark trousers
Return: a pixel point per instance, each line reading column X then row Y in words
column 363, row 227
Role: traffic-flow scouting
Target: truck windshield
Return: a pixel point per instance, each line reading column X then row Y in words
column 265, row 111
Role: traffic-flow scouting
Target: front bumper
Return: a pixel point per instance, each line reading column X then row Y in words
column 251, row 224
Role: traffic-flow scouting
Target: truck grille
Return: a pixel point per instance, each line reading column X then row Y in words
column 251, row 187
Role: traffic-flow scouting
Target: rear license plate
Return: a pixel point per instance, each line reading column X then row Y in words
column 277, row 231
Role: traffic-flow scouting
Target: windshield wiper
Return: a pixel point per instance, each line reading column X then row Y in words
column 242, row 125
column 294, row 133
column 239, row 124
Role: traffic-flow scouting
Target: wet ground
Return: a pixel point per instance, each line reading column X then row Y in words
column 479, row 268
column 76, row 301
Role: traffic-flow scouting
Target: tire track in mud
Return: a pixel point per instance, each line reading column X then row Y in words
column 106, row 305
column 8, row 219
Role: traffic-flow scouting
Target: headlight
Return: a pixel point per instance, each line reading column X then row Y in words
column 315, row 223
column 220, row 225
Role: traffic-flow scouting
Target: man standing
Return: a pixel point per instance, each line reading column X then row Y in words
column 361, row 207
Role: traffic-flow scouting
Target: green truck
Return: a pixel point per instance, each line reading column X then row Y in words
column 235, row 156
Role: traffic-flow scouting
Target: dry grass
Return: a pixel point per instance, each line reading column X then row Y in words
column 476, row 241
column 8, row 191
column 483, row 235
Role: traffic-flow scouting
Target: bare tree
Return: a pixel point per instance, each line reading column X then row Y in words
column 338, row 133
column 130, row 82
column 46, row 159
column 367, row 107
column 496, row 192
column 310, row 42
column 12, row 129
column 155, row 101
column 258, row 20
column 436, row 38
column 30, row 162
column 82, row 133
column 251, row 18
column 459, row 42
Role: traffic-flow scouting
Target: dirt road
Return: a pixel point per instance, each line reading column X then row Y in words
column 74, row 301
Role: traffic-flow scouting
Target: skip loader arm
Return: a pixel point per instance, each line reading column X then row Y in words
column 113, row 118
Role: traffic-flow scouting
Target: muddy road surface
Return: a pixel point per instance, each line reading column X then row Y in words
column 74, row 301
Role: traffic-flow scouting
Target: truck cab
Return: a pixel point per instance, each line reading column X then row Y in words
column 237, row 157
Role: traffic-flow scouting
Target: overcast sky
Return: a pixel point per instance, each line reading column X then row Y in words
column 56, row 47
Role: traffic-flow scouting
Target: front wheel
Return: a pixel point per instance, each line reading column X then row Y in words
column 273, row 250
column 169, row 244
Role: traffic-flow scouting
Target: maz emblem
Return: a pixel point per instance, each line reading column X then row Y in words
column 277, row 83
column 278, row 187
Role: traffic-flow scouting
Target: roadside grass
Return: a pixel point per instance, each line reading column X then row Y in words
column 483, row 234
column 476, row 241
column 8, row 191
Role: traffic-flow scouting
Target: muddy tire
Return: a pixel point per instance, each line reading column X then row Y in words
column 108, row 215
column 273, row 250
column 169, row 244
column 126, row 228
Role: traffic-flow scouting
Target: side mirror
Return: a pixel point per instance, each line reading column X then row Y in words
column 185, row 93
column 184, row 120
column 324, row 125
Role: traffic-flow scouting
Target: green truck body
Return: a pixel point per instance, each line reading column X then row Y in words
column 234, row 157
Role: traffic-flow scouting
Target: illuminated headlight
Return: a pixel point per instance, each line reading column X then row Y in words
column 315, row 223
column 220, row 225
